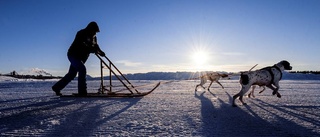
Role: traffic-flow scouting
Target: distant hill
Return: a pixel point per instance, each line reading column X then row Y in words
column 175, row 76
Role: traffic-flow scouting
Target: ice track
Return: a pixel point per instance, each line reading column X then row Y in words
column 29, row 108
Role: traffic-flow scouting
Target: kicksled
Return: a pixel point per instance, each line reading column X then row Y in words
column 108, row 90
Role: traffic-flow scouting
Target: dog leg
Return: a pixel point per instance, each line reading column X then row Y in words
column 244, row 90
column 210, row 85
column 271, row 87
column 196, row 87
column 240, row 98
column 202, row 82
column 203, row 87
column 252, row 92
column 220, row 84
column 264, row 88
column 234, row 98
column 276, row 90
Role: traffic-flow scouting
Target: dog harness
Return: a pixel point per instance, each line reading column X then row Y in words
column 278, row 70
column 269, row 69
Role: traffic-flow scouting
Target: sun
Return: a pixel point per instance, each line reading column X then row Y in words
column 200, row 58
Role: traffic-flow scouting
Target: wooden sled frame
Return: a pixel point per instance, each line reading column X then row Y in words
column 124, row 81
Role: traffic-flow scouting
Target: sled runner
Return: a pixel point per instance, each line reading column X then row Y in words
column 108, row 90
column 115, row 94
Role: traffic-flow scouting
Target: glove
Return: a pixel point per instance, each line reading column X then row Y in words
column 101, row 53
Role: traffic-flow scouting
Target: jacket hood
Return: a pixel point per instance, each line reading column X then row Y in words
column 93, row 26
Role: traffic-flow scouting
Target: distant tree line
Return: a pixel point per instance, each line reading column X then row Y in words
column 306, row 72
column 301, row 75
column 160, row 76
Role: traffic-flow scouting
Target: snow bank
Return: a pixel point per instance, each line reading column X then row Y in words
column 6, row 78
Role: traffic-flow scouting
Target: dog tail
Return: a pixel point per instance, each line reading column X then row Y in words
column 244, row 79
column 253, row 67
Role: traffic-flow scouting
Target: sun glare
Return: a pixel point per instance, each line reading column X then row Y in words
column 200, row 58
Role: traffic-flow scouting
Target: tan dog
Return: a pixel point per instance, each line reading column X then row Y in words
column 213, row 77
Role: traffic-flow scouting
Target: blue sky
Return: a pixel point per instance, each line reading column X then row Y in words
column 162, row 35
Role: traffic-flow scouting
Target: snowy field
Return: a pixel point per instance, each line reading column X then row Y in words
column 30, row 108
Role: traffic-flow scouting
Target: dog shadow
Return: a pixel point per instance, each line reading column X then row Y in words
column 282, row 112
column 208, row 115
column 220, row 118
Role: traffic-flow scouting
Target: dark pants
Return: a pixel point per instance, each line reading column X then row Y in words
column 76, row 66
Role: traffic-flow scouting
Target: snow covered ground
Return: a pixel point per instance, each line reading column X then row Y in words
column 30, row 108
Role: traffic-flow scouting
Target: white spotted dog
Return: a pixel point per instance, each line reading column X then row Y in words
column 213, row 77
column 268, row 76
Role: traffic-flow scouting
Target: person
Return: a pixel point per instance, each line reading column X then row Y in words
column 84, row 43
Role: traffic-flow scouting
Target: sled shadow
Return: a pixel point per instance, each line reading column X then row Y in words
column 28, row 114
column 60, row 116
column 90, row 119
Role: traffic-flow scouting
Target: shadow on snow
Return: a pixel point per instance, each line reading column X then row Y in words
column 52, row 117
column 221, row 119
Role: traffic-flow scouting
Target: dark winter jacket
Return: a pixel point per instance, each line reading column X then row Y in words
column 84, row 44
